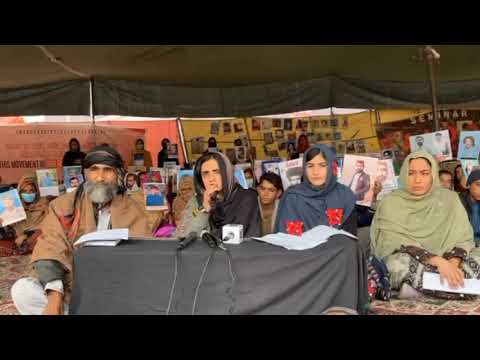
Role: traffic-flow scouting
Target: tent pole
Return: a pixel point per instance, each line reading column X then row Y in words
column 92, row 114
column 249, row 138
column 92, row 111
column 182, row 139
column 432, row 57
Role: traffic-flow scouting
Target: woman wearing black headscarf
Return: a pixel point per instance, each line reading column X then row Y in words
column 219, row 200
column 73, row 156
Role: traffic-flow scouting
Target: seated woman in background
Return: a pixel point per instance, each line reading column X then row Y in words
column 140, row 156
column 36, row 209
column 423, row 227
column 302, row 146
column 321, row 200
column 73, row 156
column 186, row 190
column 219, row 200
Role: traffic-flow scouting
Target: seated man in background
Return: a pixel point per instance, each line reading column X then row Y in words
column 269, row 190
column 446, row 179
column 98, row 204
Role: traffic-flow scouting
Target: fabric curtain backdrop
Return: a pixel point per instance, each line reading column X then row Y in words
column 229, row 80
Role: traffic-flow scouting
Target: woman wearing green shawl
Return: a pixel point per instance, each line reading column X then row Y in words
column 423, row 227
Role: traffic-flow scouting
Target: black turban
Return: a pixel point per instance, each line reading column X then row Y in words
column 104, row 155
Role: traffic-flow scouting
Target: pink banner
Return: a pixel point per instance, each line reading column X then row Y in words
column 26, row 148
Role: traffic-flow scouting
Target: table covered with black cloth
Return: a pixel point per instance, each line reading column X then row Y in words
column 136, row 277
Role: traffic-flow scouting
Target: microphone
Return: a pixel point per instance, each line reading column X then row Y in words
column 187, row 241
column 211, row 240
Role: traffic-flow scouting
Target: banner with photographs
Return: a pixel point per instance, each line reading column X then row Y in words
column 396, row 135
column 198, row 145
column 72, row 177
column 172, row 151
column 155, row 196
column 11, row 209
column 48, row 182
column 291, row 172
column 386, row 177
column 240, row 177
column 436, row 144
column 469, row 145
column 182, row 173
column 154, row 176
column 271, row 166
column 468, row 165
column 359, row 173
column 29, row 147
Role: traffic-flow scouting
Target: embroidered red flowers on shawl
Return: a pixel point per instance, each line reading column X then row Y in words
column 334, row 216
column 295, row 227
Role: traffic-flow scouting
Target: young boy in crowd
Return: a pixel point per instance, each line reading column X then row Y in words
column 269, row 189
column 446, row 179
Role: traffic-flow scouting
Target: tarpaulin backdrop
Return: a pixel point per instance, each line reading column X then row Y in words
column 26, row 148
column 229, row 80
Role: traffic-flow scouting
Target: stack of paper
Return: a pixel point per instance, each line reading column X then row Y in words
column 103, row 238
column 431, row 281
column 310, row 239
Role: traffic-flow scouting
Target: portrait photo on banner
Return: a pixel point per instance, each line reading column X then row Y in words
column 468, row 165
column 11, row 209
column 386, row 177
column 256, row 124
column 436, row 144
column 72, row 177
column 48, row 182
column 359, row 173
column 215, row 128
column 291, row 172
column 155, row 196
column 469, row 145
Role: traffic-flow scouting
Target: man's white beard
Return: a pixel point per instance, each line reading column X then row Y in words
column 100, row 193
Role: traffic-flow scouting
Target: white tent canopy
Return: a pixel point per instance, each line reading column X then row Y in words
column 105, row 118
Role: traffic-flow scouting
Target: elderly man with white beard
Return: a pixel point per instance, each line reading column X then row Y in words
column 100, row 203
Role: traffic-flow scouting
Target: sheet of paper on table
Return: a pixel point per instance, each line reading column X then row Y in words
column 103, row 238
column 310, row 239
column 431, row 281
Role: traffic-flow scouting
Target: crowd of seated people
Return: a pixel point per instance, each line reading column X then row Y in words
column 411, row 230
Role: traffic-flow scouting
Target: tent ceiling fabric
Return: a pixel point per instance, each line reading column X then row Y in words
column 228, row 80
